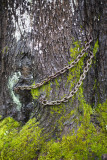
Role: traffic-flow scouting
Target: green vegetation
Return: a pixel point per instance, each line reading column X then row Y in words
column 74, row 73
column 8, row 130
column 35, row 92
column 18, row 142
column 101, row 113
column 43, row 89
column 96, row 47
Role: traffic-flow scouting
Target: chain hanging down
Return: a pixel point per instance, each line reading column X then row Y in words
column 66, row 68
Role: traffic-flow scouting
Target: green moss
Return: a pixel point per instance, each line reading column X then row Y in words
column 19, row 144
column 74, row 73
column 88, row 143
column 101, row 112
column 96, row 47
column 35, row 92
column 59, row 114
column 8, row 130
column 46, row 88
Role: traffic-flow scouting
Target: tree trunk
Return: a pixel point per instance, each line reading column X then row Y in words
column 35, row 41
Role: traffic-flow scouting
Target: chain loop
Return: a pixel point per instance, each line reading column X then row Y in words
column 82, row 77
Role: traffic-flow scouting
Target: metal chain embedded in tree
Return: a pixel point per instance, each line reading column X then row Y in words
column 82, row 77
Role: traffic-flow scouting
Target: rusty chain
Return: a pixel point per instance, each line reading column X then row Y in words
column 66, row 68
column 71, row 94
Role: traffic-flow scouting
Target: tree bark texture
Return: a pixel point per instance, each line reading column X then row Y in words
column 35, row 41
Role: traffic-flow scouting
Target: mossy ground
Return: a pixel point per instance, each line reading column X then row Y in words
column 87, row 143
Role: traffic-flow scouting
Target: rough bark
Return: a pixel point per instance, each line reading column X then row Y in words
column 43, row 48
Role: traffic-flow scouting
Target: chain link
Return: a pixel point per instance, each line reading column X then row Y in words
column 82, row 77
